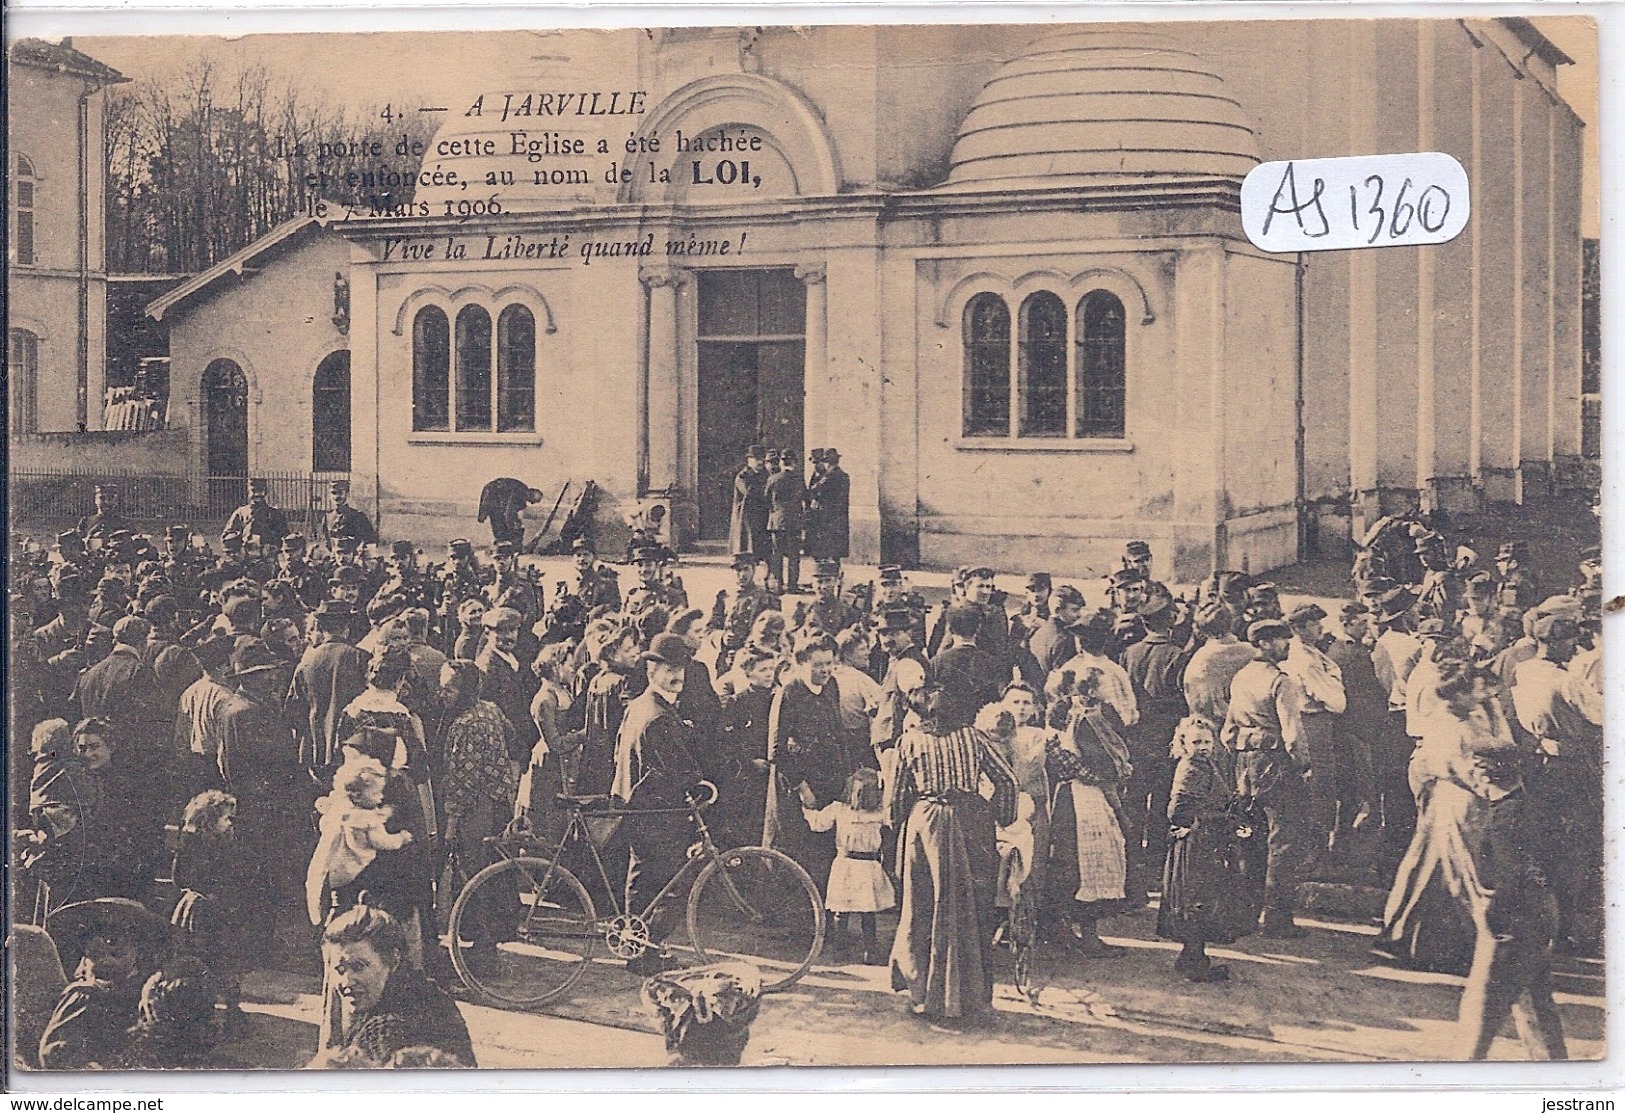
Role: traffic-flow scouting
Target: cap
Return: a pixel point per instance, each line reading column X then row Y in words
column 831, row 456
column 1134, row 550
column 348, row 576
column 231, row 542
column 293, row 543
column 755, row 452
column 1124, row 576
column 816, row 455
column 69, row 539
column 399, row 549
column 334, row 613
column 1265, row 590
column 979, row 573
column 340, row 486
column 1157, row 606
column 1352, row 610
column 504, row 549
column 258, row 486
column 178, row 533
column 1426, row 539
column 1038, row 581
column 533, row 494
column 1590, row 554
column 1554, row 627
column 1513, row 550
column 1267, row 629
column 253, row 656
column 1433, row 627
column 895, row 622
column 346, row 542
column 669, row 649
column 242, row 609
column 741, row 560
column 1068, row 595
column 461, row 547
column 1394, row 603
column 503, row 618
column 582, row 545
column 827, row 570
column 1305, row 612
column 643, row 554
column 891, row 573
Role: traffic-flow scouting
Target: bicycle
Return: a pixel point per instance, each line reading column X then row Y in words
column 523, row 930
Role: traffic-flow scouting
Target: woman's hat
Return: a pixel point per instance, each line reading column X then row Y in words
column 72, row 926
column 669, row 649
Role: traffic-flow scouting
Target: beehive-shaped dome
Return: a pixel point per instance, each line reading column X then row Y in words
column 1102, row 106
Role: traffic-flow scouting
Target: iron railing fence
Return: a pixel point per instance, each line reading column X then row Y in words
column 194, row 498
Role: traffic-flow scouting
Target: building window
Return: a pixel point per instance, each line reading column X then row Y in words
column 516, row 370
column 24, row 371
column 464, row 380
column 1070, row 376
column 330, row 414
column 1101, row 335
column 987, row 367
column 473, row 369
column 1041, row 387
column 23, row 205
column 431, row 371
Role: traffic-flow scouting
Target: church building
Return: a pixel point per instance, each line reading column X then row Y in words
column 1001, row 269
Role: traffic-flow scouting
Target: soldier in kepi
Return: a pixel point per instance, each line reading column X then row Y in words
column 107, row 520
column 829, row 612
column 735, row 610
column 651, row 589
column 596, row 585
column 294, row 570
column 345, row 520
column 786, row 517
column 257, row 523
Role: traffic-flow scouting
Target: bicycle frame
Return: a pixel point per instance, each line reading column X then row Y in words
column 576, row 831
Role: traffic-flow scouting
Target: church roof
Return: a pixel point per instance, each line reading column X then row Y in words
column 1103, row 105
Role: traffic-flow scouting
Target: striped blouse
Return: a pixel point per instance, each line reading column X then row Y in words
column 933, row 764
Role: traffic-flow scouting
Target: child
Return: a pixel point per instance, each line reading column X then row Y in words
column 1212, row 882
column 857, row 881
column 353, row 830
column 219, row 890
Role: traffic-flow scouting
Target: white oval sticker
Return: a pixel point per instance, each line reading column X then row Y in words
column 1328, row 204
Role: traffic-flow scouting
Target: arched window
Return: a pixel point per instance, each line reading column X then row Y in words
column 330, row 414
column 1100, row 334
column 24, row 371
column 431, row 371
column 225, row 415
column 1042, row 383
column 516, row 370
column 473, row 368
column 22, row 239
column 987, row 366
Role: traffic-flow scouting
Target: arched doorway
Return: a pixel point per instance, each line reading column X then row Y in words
column 330, row 414
column 225, row 423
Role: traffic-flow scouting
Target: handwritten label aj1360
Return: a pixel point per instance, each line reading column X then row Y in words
column 1327, row 204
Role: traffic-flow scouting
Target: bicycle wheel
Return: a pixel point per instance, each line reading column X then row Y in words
column 522, row 931
column 759, row 905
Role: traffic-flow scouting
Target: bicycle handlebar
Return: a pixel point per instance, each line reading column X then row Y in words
column 711, row 797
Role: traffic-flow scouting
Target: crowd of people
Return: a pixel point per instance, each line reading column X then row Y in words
column 220, row 759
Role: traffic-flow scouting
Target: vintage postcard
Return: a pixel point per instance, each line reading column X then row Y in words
column 806, row 545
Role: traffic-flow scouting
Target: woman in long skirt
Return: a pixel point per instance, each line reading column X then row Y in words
column 1088, row 763
column 1213, row 880
column 947, row 846
column 1437, row 901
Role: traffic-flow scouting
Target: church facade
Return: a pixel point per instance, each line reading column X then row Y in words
column 1000, row 269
